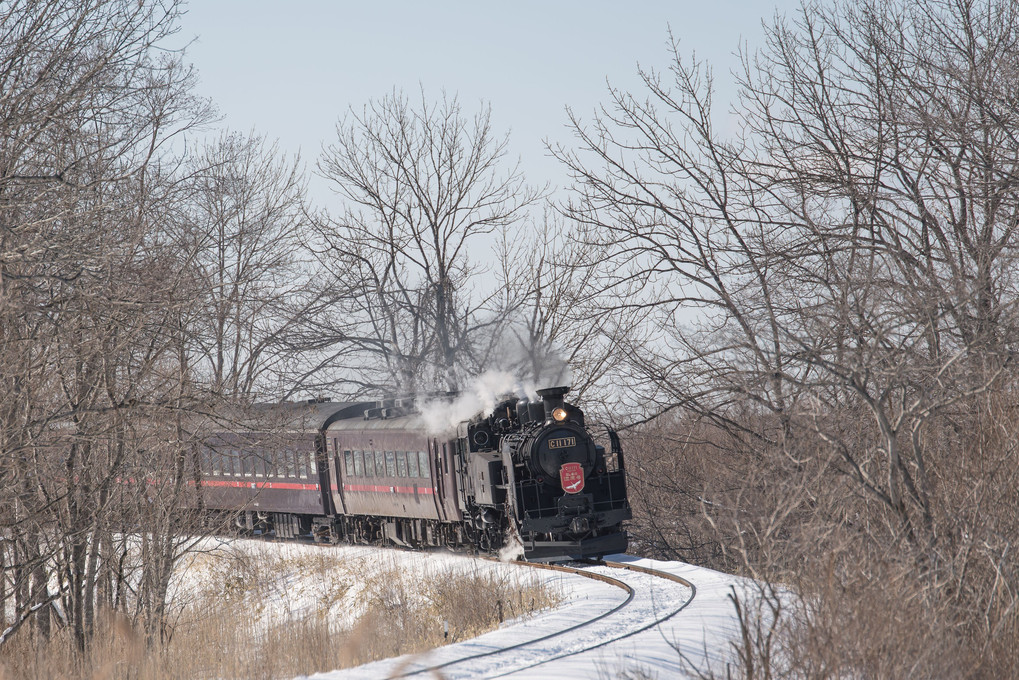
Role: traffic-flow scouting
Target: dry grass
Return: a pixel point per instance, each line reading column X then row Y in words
column 267, row 615
column 865, row 594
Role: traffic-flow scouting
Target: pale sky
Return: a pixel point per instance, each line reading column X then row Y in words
column 289, row 70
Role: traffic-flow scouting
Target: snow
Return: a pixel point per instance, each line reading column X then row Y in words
column 660, row 634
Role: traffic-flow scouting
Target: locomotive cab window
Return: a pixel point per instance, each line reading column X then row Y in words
column 401, row 464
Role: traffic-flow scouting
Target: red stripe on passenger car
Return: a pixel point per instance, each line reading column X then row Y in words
column 289, row 486
column 371, row 488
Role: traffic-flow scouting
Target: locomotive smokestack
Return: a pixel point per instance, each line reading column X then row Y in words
column 553, row 398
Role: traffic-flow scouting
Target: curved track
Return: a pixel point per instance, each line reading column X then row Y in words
column 593, row 633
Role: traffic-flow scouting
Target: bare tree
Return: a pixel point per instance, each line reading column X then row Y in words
column 88, row 287
column 422, row 191
column 243, row 239
column 833, row 284
column 549, row 327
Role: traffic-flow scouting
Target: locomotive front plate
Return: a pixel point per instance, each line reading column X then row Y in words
column 571, row 476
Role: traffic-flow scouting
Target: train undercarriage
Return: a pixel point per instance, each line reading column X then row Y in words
column 479, row 534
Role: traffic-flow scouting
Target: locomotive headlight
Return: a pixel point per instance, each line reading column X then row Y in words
column 559, row 413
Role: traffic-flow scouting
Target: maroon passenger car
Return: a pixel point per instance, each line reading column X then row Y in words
column 264, row 465
column 393, row 469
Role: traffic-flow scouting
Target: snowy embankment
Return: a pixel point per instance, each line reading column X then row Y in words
column 699, row 634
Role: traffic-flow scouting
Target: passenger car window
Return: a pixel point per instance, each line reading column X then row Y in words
column 358, row 463
column 426, row 471
column 348, row 462
column 412, row 463
column 380, row 464
column 401, row 464
column 390, row 464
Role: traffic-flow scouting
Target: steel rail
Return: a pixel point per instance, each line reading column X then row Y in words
column 603, row 643
column 402, row 673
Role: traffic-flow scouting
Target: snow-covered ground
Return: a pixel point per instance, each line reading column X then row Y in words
column 698, row 632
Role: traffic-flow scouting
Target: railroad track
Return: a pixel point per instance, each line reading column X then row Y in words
column 591, row 634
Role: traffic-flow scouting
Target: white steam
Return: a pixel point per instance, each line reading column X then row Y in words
column 480, row 396
column 518, row 367
column 513, row 548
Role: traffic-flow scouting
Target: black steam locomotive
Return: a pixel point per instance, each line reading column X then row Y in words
column 378, row 472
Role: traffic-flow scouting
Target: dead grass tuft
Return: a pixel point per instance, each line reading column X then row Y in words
column 265, row 615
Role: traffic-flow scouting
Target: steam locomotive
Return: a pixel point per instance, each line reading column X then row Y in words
column 528, row 472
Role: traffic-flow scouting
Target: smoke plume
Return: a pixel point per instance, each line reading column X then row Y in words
column 480, row 396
